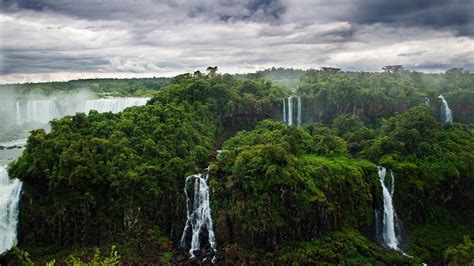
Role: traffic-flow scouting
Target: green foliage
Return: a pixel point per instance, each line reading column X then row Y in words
column 374, row 95
column 113, row 87
column 277, row 186
column 463, row 254
column 97, row 260
column 304, row 193
column 346, row 247
column 22, row 257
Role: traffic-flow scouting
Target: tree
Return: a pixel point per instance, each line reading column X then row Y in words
column 393, row 68
column 330, row 70
column 211, row 71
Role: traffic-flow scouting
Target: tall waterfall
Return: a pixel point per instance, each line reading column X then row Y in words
column 9, row 207
column 198, row 214
column 114, row 105
column 288, row 111
column 389, row 234
column 41, row 111
column 298, row 117
column 446, row 113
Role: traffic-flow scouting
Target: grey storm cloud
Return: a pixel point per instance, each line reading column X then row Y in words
column 456, row 15
column 67, row 39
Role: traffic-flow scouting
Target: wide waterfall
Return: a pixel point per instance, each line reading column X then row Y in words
column 288, row 111
column 114, row 105
column 390, row 230
column 41, row 111
column 9, row 207
column 199, row 218
column 446, row 113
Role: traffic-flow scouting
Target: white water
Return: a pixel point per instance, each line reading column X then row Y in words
column 389, row 236
column 446, row 113
column 427, row 102
column 41, row 111
column 9, row 207
column 290, row 110
column 298, row 117
column 198, row 214
column 113, row 105
column 288, row 115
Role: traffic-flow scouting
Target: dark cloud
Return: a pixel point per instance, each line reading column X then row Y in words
column 226, row 10
column 62, row 39
column 44, row 62
column 456, row 15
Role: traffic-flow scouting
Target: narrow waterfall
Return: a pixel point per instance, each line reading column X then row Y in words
column 198, row 215
column 446, row 113
column 114, row 105
column 427, row 101
column 9, row 207
column 389, row 233
column 290, row 110
column 298, row 117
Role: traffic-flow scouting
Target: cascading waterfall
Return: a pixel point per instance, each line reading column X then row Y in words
column 198, row 214
column 446, row 113
column 9, row 207
column 113, row 105
column 288, row 111
column 298, row 117
column 389, row 234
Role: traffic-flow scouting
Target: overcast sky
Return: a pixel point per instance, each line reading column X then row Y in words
column 69, row 39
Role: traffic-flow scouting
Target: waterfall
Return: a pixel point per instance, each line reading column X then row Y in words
column 198, row 214
column 18, row 113
column 114, row 105
column 41, row 111
column 9, row 207
column 389, row 234
column 446, row 113
column 290, row 110
column 427, row 101
column 288, row 116
column 298, row 118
